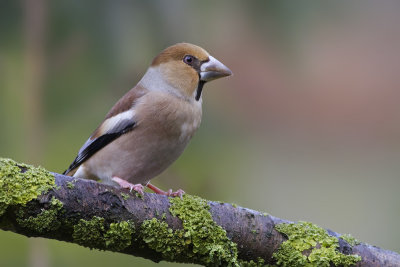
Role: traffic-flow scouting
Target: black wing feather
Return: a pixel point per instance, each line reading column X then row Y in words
column 92, row 146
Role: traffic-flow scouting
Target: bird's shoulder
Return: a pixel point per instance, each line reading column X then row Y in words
column 127, row 101
column 118, row 121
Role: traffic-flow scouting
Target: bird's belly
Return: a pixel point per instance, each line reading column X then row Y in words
column 135, row 157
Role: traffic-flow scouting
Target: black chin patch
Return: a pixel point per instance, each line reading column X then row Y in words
column 199, row 89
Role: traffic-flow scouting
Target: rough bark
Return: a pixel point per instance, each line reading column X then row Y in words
column 254, row 233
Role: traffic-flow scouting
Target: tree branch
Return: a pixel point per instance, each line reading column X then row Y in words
column 36, row 203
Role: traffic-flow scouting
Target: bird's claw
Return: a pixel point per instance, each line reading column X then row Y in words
column 177, row 193
column 124, row 184
column 169, row 193
column 138, row 188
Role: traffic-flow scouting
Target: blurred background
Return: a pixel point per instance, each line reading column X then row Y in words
column 308, row 128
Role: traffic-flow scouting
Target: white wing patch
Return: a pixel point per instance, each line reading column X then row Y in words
column 109, row 130
column 110, row 123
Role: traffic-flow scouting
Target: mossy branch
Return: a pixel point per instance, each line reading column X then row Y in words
column 36, row 203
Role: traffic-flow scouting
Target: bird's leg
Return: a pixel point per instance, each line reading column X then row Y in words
column 157, row 190
column 124, row 184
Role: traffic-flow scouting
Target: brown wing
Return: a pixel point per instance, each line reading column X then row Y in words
column 108, row 132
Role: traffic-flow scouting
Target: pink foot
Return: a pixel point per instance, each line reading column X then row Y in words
column 178, row 193
column 124, row 184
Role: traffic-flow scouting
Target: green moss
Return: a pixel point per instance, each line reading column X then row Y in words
column 259, row 263
column 3, row 208
column 44, row 221
column 90, row 233
column 310, row 245
column 124, row 196
column 20, row 183
column 119, row 236
column 349, row 239
column 70, row 185
column 93, row 234
column 163, row 239
column 201, row 240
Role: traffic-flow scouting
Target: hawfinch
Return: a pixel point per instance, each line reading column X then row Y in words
column 150, row 126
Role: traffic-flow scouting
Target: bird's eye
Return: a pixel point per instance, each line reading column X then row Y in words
column 188, row 59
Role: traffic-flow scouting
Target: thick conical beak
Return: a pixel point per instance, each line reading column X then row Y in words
column 213, row 69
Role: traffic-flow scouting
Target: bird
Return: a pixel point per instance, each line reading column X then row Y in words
column 150, row 126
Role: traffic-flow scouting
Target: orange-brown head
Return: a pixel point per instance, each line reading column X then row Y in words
column 183, row 69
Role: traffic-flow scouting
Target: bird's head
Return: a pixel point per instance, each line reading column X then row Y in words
column 184, row 68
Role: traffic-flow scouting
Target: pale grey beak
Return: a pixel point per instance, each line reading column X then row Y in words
column 213, row 69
